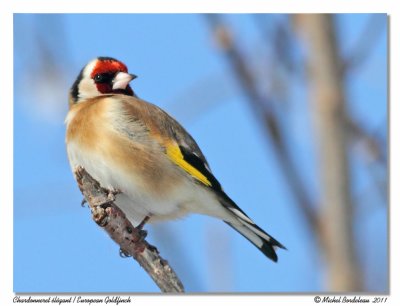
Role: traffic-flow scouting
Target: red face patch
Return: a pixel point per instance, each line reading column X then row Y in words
column 107, row 65
column 104, row 66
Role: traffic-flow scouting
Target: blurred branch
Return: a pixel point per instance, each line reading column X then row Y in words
column 262, row 108
column 367, row 41
column 329, row 106
column 374, row 155
column 130, row 239
column 282, row 41
column 372, row 145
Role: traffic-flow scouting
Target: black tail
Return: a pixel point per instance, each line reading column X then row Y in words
column 264, row 242
column 247, row 228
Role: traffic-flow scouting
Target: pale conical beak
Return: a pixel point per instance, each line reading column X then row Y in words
column 122, row 79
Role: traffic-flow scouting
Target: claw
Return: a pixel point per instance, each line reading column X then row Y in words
column 112, row 193
column 83, row 202
column 144, row 221
column 103, row 222
column 139, row 233
column 99, row 215
column 123, row 254
column 143, row 234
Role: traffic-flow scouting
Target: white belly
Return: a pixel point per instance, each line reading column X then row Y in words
column 138, row 202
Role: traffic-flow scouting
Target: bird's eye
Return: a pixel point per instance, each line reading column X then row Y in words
column 98, row 78
column 102, row 77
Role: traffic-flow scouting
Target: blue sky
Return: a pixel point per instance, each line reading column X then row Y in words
column 58, row 248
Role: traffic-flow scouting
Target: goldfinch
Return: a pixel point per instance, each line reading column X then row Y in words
column 133, row 146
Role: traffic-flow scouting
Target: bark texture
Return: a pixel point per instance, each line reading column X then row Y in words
column 130, row 239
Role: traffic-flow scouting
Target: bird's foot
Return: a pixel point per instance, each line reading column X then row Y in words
column 141, row 224
column 111, row 193
column 101, row 214
column 123, row 253
column 137, row 234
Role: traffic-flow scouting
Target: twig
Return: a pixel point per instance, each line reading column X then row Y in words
column 373, row 145
column 366, row 42
column 130, row 239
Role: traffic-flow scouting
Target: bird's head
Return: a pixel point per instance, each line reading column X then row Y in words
column 101, row 76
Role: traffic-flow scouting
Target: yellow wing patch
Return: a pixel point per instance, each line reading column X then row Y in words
column 176, row 156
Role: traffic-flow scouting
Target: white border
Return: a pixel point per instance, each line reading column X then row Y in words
column 7, row 8
column 6, row 157
column 204, row 6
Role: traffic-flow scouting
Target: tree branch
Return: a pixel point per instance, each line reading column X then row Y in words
column 328, row 100
column 130, row 239
column 366, row 42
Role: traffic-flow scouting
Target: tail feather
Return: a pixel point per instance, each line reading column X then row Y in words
column 247, row 228
column 251, row 232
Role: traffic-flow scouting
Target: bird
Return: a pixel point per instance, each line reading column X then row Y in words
column 133, row 146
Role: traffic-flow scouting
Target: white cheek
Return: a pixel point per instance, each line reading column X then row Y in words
column 88, row 89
